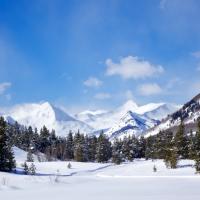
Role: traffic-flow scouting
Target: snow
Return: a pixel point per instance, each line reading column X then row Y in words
column 38, row 115
column 129, row 125
column 114, row 123
column 89, row 181
column 113, row 120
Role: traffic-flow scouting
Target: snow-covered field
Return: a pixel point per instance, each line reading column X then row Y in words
column 93, row 181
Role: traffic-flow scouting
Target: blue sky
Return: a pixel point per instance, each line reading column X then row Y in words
column 99, row 53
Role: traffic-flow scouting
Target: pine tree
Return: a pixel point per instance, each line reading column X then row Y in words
column 117, row 152
column 26, row 168
column 154, row 169
column 127, row 148
column 7, row 162
column 150, row 150
column 92, row 148
column 142, row 147
column 171, row 157
column 32, row 169
column 69, row 166
column 197, row 148
column 69, row 147
column 30, row 157
column 104, row 150
column 80, row 148
column 44, row 139
column 180, row 141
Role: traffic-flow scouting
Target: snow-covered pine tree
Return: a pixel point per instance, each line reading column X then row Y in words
column 7, row 162
column 92, row 145
column 104, row 150
column 79, row 148
column 180, row 142
column 26, row 168
column 69, row 166
column 32, row 169
column 30, row 157
column 117, row 152
column 69, row 147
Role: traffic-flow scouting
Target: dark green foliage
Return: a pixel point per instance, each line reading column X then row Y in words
column 69, row 147
column 171, row 158
column 29, row 157
column 196, row 148
column 25, row 168
column 104, row 150
column 180, row 142
column 117, row 156
column 7, row 162
column 92, row 148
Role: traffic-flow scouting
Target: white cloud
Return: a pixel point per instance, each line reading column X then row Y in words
column 149, row 89
column 102, row 96
column 132, row 67
column 93, row 82
column 4, row 86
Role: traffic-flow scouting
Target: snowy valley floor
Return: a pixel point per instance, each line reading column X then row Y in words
column 93, row 181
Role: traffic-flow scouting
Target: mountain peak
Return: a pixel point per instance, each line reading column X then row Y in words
column 130, row 105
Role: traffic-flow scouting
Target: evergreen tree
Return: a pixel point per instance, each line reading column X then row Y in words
column 149, row 151
column 7, row 162
column 197, row 148
column 26, row 168
column 142, row 147
column 32, row 169
column 69, row 147
column 80, row 154
column 69, row 166
column 180, row 141
column 104, row 150
column 127, row 148
column 44, row 139
column 117, row 152
column 30, row 157
column 92, row 145
column 171, row 156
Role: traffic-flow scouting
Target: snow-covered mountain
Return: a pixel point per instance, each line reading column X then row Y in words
column 115, row 120
column 130, row 124
column 127, row 119
column 38, row 115
column 188, row 113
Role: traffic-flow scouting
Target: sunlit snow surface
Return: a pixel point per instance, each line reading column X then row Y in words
column 91, row 181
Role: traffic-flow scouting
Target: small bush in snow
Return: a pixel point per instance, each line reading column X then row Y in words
column 69, row 166
column 154, row 169
column 57, row 176
column 4, row 181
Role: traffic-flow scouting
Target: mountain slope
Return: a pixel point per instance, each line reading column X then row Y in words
column 188, row 113
column 38, row 115
column 106, row 120
column 130, row 124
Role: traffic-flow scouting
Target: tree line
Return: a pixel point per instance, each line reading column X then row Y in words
column 83, row 148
